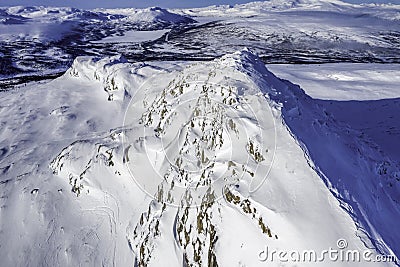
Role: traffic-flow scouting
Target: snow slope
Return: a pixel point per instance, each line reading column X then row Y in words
column 37, row 40
column 343, row 81
column 373, row 118
column 34, row 40
column 152, row 15
column 364, row 96
column 299, row 31
column 175, row 164
column 46, row 24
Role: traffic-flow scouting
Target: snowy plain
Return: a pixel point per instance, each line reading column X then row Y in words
column 134, row 37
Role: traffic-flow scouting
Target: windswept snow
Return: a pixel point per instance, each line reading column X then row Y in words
column 363, row 96
column 343, row 82
column 85, row 187
column 165, row 143
column 151, row 15
column 351, row 144
column 278, row 31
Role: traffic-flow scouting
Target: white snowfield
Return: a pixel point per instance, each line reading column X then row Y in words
column 40, row 40
column 134, row 37
column 215, row 163
column 343, row 81
column 47, row 24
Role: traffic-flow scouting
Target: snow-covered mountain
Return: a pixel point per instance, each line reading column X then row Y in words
column 210, row 163
column 47, row 39
column 151, row 137
column 42, row 40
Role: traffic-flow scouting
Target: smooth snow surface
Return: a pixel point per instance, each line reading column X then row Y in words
column 134, row 37
column 364, row 96
column 344, row 81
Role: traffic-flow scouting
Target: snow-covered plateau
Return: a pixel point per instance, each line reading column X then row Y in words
column 261, row 134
